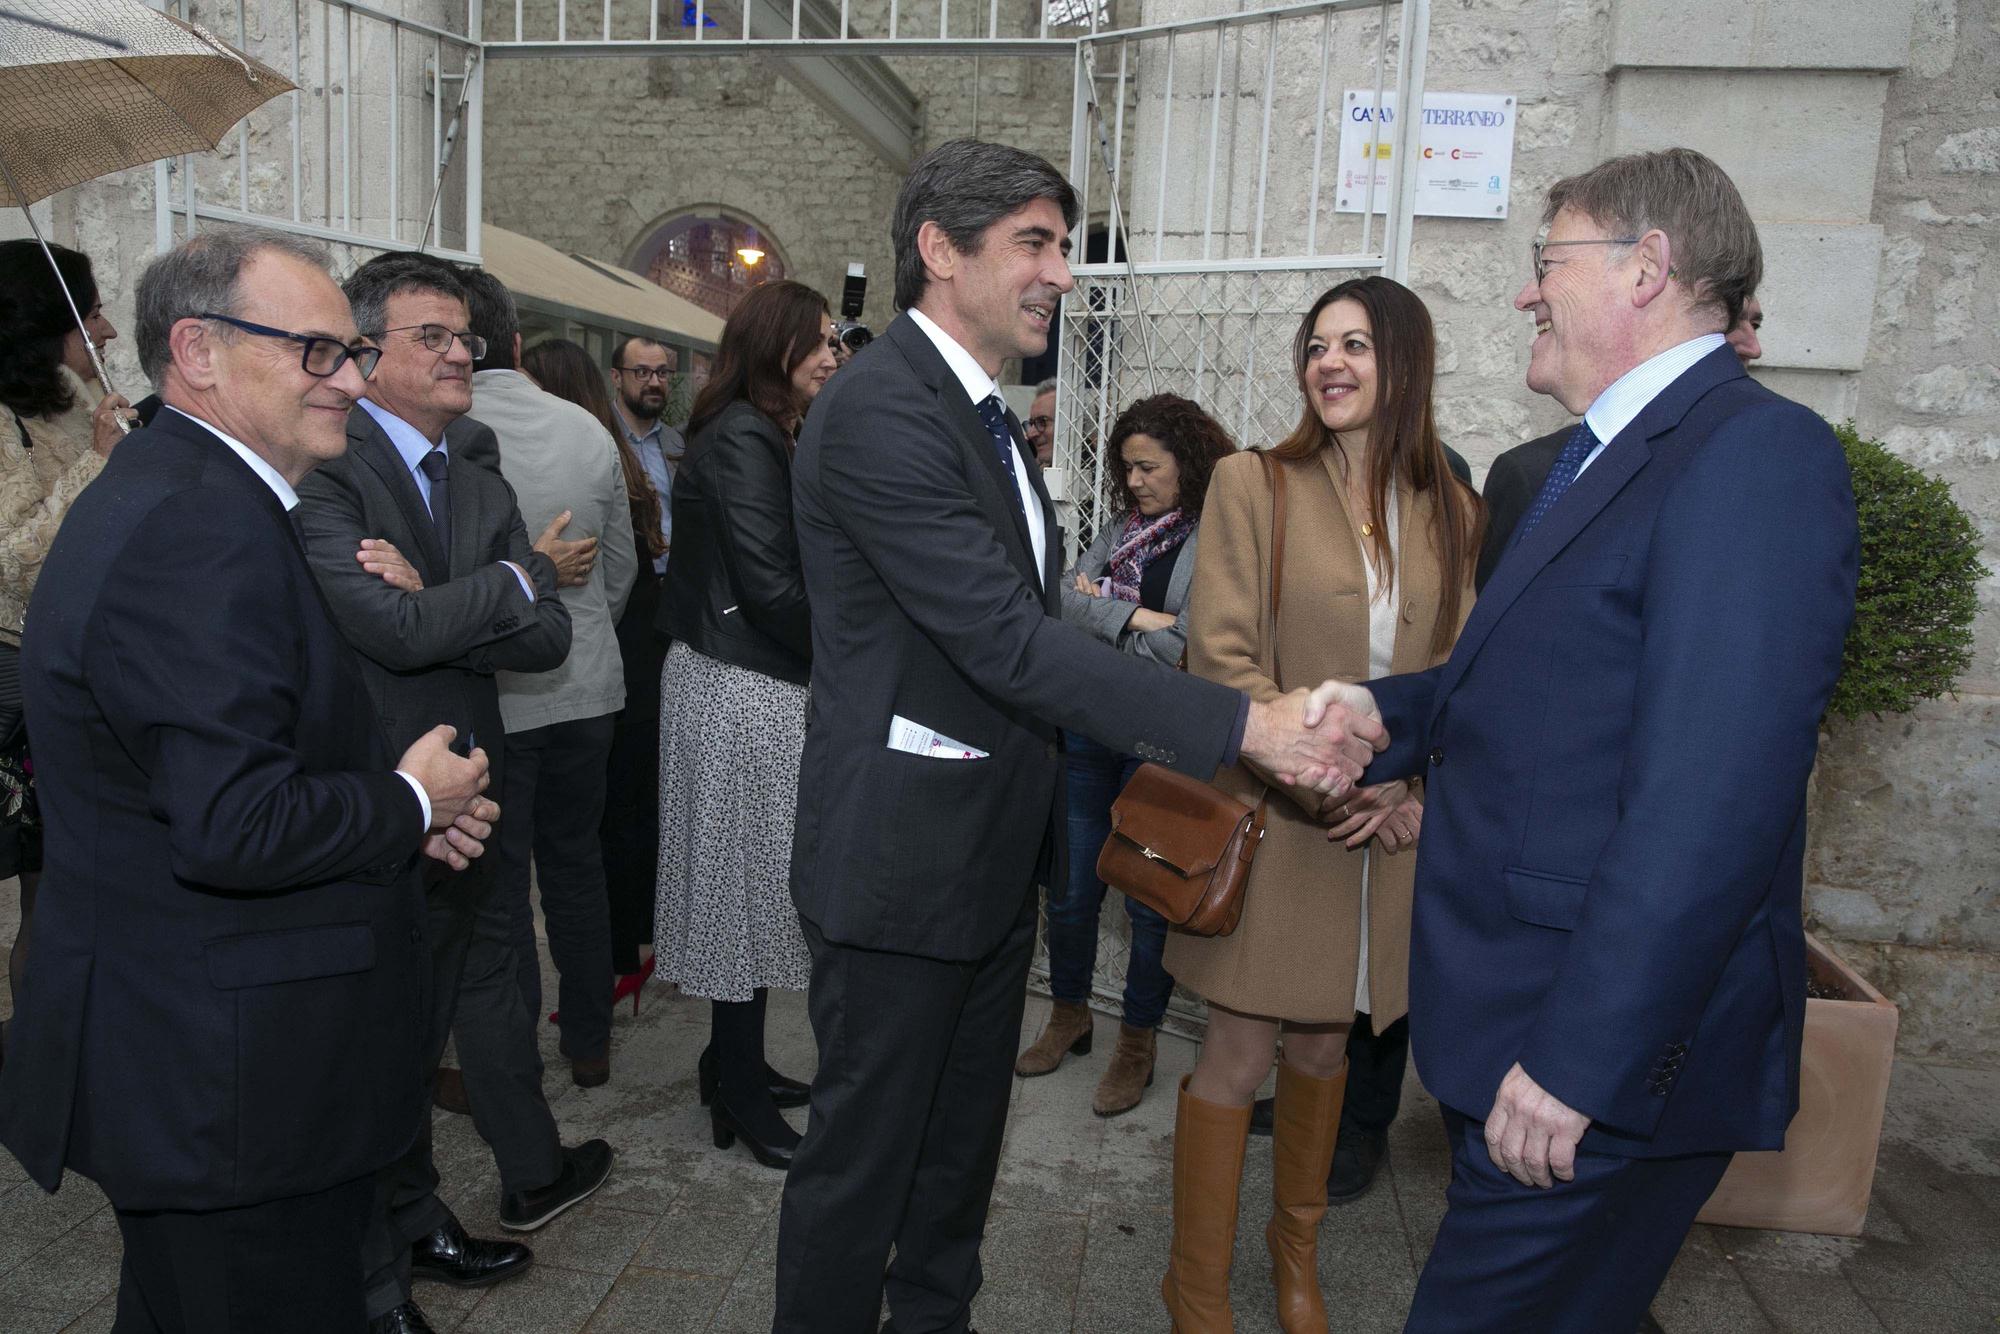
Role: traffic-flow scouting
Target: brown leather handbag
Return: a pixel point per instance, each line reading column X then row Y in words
column 1177, row 844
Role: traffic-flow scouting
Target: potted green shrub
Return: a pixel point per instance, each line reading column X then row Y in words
column 1912, row 637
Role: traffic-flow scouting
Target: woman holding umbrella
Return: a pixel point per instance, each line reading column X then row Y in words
column 55, row 434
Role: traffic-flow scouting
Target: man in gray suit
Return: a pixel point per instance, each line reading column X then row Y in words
column 562, row 463
column 429, row 573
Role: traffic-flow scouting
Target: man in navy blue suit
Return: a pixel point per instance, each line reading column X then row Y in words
column 1607, row 971
column 217, row 1029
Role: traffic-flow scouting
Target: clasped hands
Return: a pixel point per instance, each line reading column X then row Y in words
column 461, row 819
column 1320, row 739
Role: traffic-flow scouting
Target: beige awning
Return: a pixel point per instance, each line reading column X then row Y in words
column 589, row 288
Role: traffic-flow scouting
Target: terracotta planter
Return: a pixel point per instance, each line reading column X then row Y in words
column 1821, row 1180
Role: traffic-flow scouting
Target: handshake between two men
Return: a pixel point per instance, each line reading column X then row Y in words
column 1320, row 739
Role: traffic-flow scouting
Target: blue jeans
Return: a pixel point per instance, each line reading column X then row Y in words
column 1096, row 776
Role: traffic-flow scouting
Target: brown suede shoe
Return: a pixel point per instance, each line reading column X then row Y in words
column 588, row 1072
column 448, row 1092
column 1068, row 1030
column 1130, row 1073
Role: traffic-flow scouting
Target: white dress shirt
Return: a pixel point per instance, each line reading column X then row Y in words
column 289, row 498
column 980, row 386
column 1629, row 394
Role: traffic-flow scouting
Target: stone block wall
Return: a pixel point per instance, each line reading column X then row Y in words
column 591, row 155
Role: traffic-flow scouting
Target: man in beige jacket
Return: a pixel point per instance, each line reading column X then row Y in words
column 560, row 460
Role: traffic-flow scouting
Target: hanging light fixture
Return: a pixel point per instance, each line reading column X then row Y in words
column 751, row 251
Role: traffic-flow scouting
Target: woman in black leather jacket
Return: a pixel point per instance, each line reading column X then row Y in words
column 733, row 707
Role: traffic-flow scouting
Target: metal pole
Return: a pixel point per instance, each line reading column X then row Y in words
column 1319, row 135
column 96, row 360
column 1409, row 139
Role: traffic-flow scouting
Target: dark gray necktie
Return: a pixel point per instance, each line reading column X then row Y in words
column 433, row 466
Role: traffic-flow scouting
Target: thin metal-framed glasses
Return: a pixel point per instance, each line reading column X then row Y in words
column 321, row 357
column 437, row 338
column 657, row 374
column 1536, row 248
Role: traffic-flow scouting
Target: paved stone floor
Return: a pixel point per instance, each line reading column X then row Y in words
column 682, row 1238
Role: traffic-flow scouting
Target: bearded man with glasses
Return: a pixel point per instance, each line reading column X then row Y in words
column 426, row 563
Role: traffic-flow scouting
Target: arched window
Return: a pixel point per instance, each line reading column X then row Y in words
column 711, row 256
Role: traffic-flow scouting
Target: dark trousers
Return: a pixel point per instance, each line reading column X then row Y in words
column 1095, row 778
column 1375, row 1065
column 282, row 1265
column 916, row 1061
column 630, row 832
column 1581, row 1257
column 474, row 995
column 551, row 803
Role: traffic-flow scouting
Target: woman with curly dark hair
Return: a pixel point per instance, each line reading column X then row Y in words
column 54, row 438
column 1130, row 590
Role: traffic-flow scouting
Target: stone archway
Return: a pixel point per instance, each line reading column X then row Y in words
column 710, row 254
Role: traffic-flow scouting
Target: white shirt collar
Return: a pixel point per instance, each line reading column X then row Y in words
column 1629, row 394
column 408, row 440
column 979, row 386
column 272, row 478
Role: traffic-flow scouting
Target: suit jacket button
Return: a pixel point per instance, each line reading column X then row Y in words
column 1437, row 756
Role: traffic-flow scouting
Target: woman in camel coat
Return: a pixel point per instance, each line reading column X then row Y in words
column 1379, row 544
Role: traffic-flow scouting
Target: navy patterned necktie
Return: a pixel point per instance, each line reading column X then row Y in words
column 434, row 468
column 1574, row 451
column 994, row 413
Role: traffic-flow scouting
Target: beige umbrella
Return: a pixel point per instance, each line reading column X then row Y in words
column 89, row 87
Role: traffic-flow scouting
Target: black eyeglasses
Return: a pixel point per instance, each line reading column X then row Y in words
column 322, row 356
column 657, row 374
column 1038, row 424
column 437, row 338
column 1535, row 248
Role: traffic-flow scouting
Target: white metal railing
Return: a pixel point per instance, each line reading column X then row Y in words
column 1214, row 236
column 312, row 162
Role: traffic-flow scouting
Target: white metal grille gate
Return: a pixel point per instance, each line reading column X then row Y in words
column 1204, row 147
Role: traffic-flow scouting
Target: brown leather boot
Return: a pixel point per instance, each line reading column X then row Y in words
column 1305, row 1123
column 1068, row 1030
column 1130, row 1073
column 1208, row 1169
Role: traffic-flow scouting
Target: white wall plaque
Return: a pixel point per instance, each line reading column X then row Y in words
column 1467, row 146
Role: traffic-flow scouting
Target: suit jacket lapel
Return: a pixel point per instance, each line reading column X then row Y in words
column 1621, row 459
column 929, row 363
column 373, row 446
column 464, row 505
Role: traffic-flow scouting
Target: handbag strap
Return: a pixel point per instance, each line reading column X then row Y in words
column 1276, row 472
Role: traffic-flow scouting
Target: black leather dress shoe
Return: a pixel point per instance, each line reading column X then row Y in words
column 405, row 1319
column 784, row 1092
column 586, row 1166
column 1261, row 1112
column 1357, row 1157
column 451, row 1255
